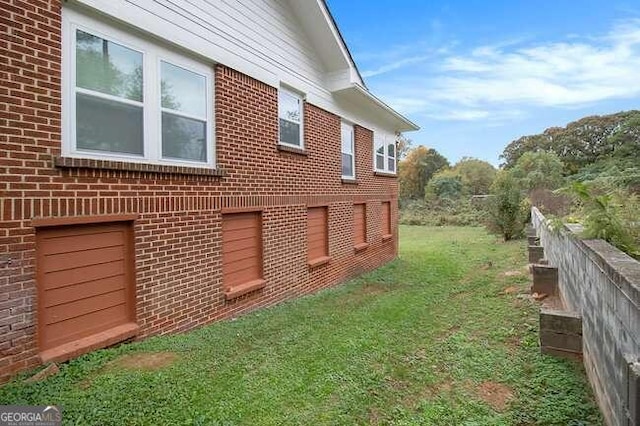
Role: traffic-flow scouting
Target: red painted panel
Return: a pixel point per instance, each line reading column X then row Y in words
column 359, row 224
column 386, row 218
column 85, row 281
column 317, row 233
column 241, row 248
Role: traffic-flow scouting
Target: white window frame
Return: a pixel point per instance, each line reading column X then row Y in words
column 152, row 55
column 343, row 125
column 285, row 91
column 384, row 140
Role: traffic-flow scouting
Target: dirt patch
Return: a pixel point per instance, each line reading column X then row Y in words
column 510, row 290
column 372, row 288
column 495, row 394
column 148, row 361
column 396, row 384
column 143, row 361
column 460, row 294
column 428, row 393
column 515, row 273
column 375, row 416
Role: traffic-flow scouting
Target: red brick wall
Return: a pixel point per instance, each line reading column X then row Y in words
column 178, row 230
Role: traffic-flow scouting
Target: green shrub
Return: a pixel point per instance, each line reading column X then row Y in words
column 507, row 210
column 609, row 214
column 442, row 212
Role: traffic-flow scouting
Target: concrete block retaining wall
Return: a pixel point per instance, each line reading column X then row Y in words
column 602, row 285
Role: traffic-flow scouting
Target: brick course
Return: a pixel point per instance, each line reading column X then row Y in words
column 178, row 229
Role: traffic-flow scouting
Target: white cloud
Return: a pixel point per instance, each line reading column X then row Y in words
column 491, row 82
column 395, row 65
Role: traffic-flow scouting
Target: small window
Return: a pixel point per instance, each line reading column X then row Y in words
column 391, row 157
column 359, row 225
column 130, row 99
column 348, row 152
column 385, row 154
column 290, row 118
column 386, row 219
column 317, row 235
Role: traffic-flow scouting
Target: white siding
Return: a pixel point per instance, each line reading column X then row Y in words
column 260, row 38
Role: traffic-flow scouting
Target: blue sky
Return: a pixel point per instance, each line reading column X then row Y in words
column 477, row 74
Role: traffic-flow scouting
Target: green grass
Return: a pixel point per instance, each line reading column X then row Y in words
column 410, row 343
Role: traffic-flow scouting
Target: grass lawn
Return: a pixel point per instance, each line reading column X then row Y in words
column 437, row 337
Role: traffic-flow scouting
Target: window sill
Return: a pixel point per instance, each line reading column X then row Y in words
column 319, row 261
column 386, row 237
column 349, row 181
column 292, row 150
column 242, row 289
column 86, row 163
column 360, row 247
column 90, row 343
column 385, row 174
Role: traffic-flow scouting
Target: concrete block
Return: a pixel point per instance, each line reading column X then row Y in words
column 545, row 279
column 535, row 254
column 561, row 353
column 530, row 230
column 633, row 393
column 561, row 341
column 560, row 321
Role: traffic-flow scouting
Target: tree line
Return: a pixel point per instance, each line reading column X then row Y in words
column 588, row 170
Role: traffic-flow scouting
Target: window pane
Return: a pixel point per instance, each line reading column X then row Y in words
column 380, row 151
column 392, row 150
column 392, row 164
column 347, row 166
column 105, row 125
column 347, row 139
column 183, row 138
column 289, row 106
column 289, row 132
column 108, row 67
column 183, row 90
column 379, row 162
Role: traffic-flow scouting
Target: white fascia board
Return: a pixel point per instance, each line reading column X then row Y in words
column 359, row 95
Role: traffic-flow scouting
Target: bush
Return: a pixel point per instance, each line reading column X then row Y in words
column 507, row 210
column 442, row 212
column 611, row 215
column 550, row 202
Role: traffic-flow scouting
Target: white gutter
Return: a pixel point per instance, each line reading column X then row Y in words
column 411, row 126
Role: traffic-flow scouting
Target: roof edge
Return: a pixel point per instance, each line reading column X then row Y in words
column 334, row 25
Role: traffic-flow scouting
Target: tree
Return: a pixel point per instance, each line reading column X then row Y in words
column 403, row 146
column 584, row 141
column 506, row 210
column 444, row 184
column 476, row 175
column 539, row 170
column 419, row 165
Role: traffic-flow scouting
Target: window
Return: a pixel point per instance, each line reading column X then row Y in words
column 290, row 118
column 360, row 226
column 241, row 253
column 348, row 157
column 131, row 100
column 317, row 236
column 386, row 220
column 385, row 155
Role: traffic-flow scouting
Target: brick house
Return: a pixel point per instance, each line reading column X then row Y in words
column 166, row 164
